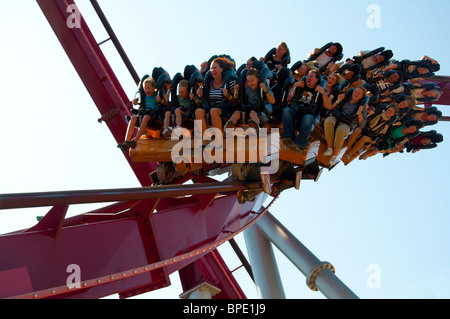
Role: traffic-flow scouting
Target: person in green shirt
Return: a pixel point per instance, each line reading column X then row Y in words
column 147, row 110
column 394, row 139
column 183, row 111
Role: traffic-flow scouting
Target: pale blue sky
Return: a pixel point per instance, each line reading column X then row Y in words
column 387, row 212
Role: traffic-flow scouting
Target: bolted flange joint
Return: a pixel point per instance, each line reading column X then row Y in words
column 311, row 279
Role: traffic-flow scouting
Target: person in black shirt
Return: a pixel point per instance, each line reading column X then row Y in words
column 309, row 98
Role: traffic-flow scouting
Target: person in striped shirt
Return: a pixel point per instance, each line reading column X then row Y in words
column 217, row 94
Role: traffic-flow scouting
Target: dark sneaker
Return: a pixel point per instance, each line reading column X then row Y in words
column 122, row 146
column 253, row 124
column 287, row 141
column 132, row 144
column 229, row 124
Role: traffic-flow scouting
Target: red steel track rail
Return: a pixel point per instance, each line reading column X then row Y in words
column 85, row 284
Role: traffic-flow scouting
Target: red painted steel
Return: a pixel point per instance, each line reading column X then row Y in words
column 227, row 284
column 204, row 270
column 134, row 232
column 124, row 235
column 444, row 83
column 103, row 247
column 98, row 249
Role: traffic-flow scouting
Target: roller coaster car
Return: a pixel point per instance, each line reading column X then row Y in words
column 249, row 156
column 244, row 162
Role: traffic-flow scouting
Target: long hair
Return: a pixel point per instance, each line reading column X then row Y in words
column 224, row 63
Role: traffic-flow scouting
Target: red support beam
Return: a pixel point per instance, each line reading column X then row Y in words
column 127, row 240
column 204, row 270
column 53, row 221
column 98, row 249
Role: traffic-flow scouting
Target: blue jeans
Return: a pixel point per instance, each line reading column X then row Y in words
column 308, row 121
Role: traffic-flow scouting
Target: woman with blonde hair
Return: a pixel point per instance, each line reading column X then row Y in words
column 278, row 57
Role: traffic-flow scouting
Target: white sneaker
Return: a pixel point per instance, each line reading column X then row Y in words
column 333, row 160
column 176, row 133
column 328, row 152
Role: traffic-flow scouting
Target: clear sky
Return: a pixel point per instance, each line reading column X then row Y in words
column 387, row 213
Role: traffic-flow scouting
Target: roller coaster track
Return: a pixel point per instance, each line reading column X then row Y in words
column 209, row 248
column 159, row 241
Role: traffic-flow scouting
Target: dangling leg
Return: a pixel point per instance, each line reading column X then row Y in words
column 352, row 139
column 200, row 115
column 358, row 145
column 369, row 153
column 142, row 129
column 131, row 125
column 216, row 118
column 329, row 126
column 167, row 131
column 130, row 129
column 254, row 120
column 178, row 117
column 288, row 116
column 341, row 133
column 306, row 127
column 233, row 120
column 167, row 116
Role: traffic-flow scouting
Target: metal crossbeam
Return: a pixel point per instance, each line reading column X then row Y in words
column 26, row 200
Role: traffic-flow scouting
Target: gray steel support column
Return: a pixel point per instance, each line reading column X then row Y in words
column 265, row 270
column 320, row 275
